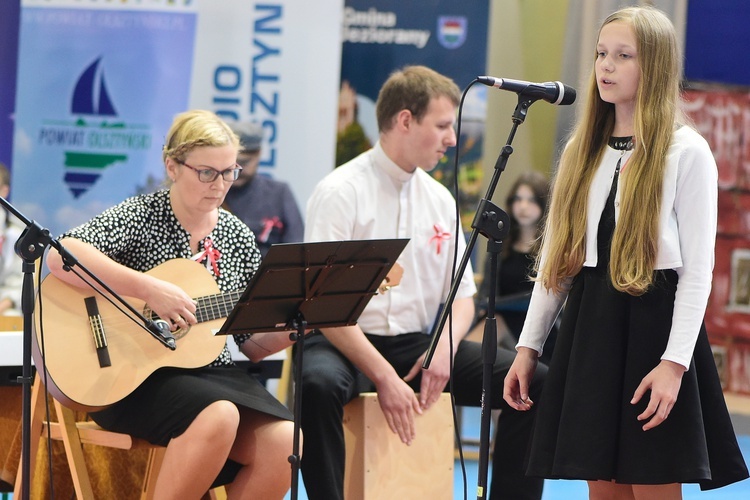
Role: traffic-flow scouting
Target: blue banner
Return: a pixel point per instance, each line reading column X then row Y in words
column 716, row 41
column 91, row 112
column 9, row 15
column 449, row 36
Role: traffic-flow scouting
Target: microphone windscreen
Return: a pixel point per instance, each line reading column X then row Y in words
column 569, row 95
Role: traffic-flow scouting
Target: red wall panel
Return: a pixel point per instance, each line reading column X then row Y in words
column 723, row 118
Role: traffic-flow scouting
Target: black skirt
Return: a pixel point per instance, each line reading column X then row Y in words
column 168, row 401
column 586, row 427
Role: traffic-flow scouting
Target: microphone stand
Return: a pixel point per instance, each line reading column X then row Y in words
column 31, row 246
column 295, row 459
column 494, row 224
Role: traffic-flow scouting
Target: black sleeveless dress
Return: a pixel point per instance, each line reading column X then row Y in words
column 608, row 341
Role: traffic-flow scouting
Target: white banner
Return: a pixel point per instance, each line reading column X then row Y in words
column 275, row 63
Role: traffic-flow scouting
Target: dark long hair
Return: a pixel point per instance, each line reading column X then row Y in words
column 539, row 185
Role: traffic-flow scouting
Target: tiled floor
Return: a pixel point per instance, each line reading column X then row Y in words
column 571, row 490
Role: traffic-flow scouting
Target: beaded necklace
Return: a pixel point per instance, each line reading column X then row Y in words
column 621, row 143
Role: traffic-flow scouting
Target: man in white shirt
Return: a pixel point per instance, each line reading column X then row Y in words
column 387, row 193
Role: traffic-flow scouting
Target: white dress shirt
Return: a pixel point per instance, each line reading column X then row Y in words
column 371, row 197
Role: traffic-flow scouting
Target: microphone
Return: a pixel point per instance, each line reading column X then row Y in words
column 553, row 92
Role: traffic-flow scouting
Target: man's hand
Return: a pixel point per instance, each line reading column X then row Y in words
column 399, row 404
column 397, row 400
column 434, row 379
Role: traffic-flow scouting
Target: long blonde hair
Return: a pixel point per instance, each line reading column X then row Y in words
column 635, row 239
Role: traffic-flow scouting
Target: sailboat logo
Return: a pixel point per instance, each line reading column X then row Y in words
column 91, row 98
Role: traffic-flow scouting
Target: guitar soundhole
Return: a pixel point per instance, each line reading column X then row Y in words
column 180, row 332
column 177, row 334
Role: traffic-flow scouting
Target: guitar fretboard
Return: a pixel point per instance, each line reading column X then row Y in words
column 216, row 306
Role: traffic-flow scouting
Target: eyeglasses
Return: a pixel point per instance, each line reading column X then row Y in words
column 211, row 174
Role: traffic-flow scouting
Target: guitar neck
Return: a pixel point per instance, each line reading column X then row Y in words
column 211, row 307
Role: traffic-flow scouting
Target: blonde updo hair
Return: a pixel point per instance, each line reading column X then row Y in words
column 194, row 129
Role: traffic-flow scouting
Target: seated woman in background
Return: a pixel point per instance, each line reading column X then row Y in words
column 526, row 205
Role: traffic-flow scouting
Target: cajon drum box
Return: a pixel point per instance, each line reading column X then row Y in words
column 380, row 466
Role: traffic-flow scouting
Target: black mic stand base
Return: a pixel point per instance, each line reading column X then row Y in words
column 489, row 354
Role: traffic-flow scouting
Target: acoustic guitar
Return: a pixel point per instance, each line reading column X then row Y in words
column 95, row 355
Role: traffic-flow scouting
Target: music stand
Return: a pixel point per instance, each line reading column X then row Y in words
column 301, row 286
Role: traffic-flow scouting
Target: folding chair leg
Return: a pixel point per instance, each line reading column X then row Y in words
column 37, row 417
column 155, row 459
column 74, row 451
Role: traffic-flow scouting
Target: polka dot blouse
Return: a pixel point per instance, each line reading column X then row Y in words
column 143, row 232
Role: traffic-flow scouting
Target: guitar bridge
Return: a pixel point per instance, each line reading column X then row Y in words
column 97, row 331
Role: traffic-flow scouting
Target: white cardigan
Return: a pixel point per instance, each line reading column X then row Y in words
column 687, row 233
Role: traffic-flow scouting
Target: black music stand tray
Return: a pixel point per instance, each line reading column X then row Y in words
column 301, row 286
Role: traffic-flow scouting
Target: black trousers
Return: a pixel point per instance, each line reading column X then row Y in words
column 329, row 381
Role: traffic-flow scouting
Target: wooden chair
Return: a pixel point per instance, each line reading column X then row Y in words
column 285, row 388
column 74, row 433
